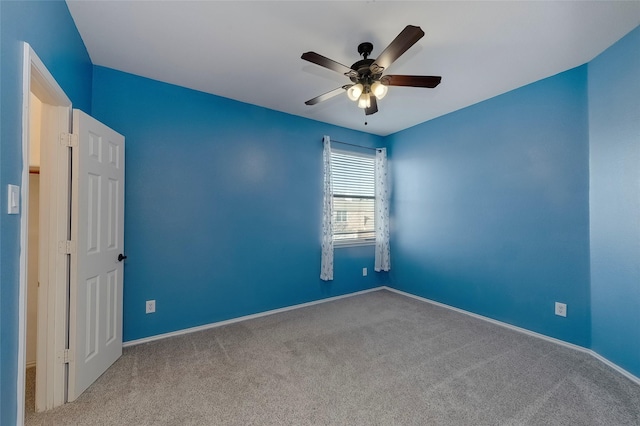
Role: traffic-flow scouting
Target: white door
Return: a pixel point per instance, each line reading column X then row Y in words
column 97, row 231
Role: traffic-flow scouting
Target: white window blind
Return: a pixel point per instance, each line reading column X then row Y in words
column 353, row 176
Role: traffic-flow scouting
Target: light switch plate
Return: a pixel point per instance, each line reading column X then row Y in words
column 13, row 199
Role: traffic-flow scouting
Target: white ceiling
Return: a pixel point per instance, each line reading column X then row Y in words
column 250, row 51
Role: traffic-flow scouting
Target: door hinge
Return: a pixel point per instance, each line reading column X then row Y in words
column 66, row 247
column 68, row 139
column 64, row 356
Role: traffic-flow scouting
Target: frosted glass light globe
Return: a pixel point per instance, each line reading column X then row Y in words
column 379, row 90
column 364, row 101
column 355, row 91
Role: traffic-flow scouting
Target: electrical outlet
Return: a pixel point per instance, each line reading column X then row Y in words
column 561, row 309
column 364, row 272
column 151, row 306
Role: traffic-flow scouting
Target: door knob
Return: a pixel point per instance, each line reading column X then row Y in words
column 121, row 257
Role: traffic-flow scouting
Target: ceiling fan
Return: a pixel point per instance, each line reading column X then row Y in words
column 368, row 83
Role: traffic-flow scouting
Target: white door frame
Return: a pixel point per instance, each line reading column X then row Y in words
column 54, row 227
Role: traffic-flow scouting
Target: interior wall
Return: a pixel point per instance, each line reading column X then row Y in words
column 614, row 139
column 223, row 206
column 49, row 28
column 491, row 210
column 35, row 124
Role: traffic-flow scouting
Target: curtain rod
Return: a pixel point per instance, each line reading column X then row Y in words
column 358, row 146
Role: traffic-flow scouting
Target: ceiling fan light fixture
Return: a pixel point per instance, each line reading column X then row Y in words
column 364, row 101
column 355, row 91
column 379, row 90
column 368, row 82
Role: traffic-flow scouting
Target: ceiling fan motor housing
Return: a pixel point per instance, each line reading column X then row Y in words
column 362, row 70
column 364, row 73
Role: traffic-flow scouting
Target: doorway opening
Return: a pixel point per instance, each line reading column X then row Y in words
column 44, row 277
column 33, row 232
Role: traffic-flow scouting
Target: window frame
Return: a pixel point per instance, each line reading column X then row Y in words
column 355, row 242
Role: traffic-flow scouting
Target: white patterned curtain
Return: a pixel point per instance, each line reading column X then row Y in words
column 382, row 259
column 326, row 266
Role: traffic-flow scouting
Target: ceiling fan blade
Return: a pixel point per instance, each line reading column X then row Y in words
column 373, row 108
column 407, row 38
column 428, row 81
column 323, row 61
column 328, row 95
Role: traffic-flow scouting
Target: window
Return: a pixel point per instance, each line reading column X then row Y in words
column 353, row 197
column 341, row 216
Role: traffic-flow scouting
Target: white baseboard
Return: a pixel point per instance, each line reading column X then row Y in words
column 243, row 318
column 493, row 321
column 596, row 355
column 614, row 366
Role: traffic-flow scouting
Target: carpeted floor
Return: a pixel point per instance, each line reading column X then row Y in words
column 375, row 359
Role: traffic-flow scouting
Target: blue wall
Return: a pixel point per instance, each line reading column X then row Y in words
column 491, row 207
column 223, row 205
column 614, row 127
column 48, row 27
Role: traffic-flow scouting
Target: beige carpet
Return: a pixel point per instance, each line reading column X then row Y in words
column 373, row 359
